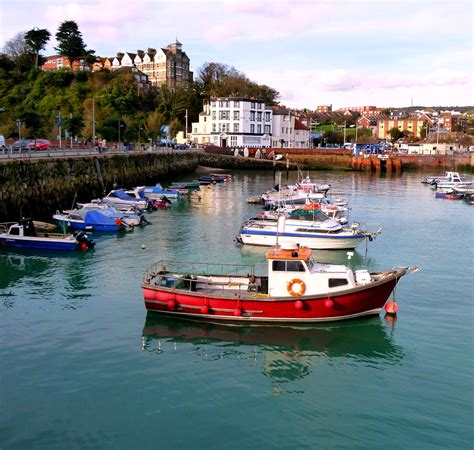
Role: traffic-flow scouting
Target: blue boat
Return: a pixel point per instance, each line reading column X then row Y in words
column 23, row 235
column 96, row 217
column 158, row 191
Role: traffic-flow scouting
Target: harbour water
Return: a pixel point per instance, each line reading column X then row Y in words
column 82, row 365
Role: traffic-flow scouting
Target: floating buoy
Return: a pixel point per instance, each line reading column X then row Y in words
column 391, row 307
column 237, row 312
column 205, row 309
column 143, row 247
column 171, row 304
column 299, row 304
column 83, row 246
column 328, row 303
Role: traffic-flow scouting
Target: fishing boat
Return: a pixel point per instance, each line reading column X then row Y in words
column 295, row 289
column 310, row 228
column 24, row 235
column 448, row 194
column 97, row 217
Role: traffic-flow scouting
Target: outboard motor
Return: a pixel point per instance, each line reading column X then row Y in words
column 82, row 238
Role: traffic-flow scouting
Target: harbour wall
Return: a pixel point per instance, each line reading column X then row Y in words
column 37, row 188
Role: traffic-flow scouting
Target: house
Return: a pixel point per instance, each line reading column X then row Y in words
column 57, row 62
column 141, row 79
column 288, row 130
column 234, row 122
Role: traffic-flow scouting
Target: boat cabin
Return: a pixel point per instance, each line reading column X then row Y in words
column 293, row 271
column 25, row 227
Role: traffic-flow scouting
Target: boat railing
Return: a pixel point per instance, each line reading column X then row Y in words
column 191, row 268
column 5, row 226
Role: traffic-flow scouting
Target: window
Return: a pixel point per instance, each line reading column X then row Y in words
column 236, row 115
column 294, row 266
column 267, row 128
column 279, row 266
column 259, row 106
column 236, row 104
column 252, row 115
column 259, row 129
column 214, row 129
column 214, row 115
column 224, row 115
column 252, row 128
column 267, row 116
column 233, row 140
column 252, row 105
column 335, row 282
column 236, row 127
column 282, row 130
column 259, row 116
column 195, row 130
column 213, row 104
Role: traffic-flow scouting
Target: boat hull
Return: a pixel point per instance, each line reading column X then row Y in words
column 32, row 243
column 319, row 242
column 80, row 225
column 342, row 305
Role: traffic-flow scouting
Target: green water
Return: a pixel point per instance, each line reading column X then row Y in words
column 82, row 365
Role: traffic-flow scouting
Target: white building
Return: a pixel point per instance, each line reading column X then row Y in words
column 234, row 122
column 289, row 131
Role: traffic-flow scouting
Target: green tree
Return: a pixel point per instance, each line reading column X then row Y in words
column 70, row 41
column 37, row 39
column 173, row 103
column 174, row 128
column 395, row 134
column 73, row 124
column 153, row 124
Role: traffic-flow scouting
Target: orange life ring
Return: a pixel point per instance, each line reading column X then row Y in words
column 300, row 291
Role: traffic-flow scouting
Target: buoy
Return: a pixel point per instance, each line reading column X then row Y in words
column 205, row 309
column 171, row 304
column 237, row 312
column 299, row 304
column 328, row 303
column 391, row 307
column 83, row 246
column 143, row 247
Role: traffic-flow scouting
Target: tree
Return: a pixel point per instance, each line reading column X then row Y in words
column 395, row 134
column 173, row 103
column 174, row 128
column 19, row 52
column 154, row 123
column 70, row 42
column 37, row 39
column 73, row 124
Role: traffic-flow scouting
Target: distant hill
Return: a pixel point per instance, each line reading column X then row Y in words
column 409, row 109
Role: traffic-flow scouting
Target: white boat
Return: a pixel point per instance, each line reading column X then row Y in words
column 314, row 230
column 305, row 184
column 119, row 199
column 449, row 180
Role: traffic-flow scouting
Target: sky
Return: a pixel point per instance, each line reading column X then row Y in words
column 384, row 53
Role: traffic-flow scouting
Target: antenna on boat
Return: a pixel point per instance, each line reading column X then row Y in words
column 349, row 257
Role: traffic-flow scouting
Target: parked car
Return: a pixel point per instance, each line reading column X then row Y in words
column 39, row 144
column 181, row 147
column 20, row 145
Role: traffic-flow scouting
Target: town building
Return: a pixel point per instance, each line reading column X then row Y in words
column 370, row 110
column 57, row 62
column 234, row 122
column 288, row 130
column 324, row 109
column 412, row 125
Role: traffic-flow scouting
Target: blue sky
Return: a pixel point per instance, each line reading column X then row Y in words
column 339, row 52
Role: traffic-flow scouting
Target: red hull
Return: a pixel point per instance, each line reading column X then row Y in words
column 347, row 304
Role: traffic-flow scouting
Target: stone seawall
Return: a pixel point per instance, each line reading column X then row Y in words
column 37, row 188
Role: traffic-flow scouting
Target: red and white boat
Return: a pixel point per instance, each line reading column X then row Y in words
column 296, row 289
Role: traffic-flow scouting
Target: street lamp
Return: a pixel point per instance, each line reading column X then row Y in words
column 139, row 136
column 119, row 126
column 93, row 117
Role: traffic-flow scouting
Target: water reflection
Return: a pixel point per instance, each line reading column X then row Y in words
column 284, row 354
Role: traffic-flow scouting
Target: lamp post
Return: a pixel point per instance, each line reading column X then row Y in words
column 119, row 126
column 93, row 117
column 139, row 137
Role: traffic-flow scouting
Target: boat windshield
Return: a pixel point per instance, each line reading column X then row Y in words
column 314, row 215
column 310, row 263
